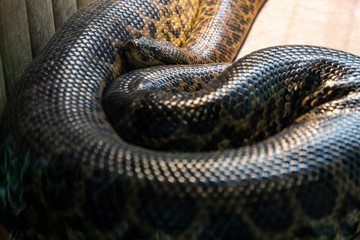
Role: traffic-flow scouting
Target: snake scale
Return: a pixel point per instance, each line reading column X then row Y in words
column 266, row 147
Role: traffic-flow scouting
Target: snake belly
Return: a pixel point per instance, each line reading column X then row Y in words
column 285, row 121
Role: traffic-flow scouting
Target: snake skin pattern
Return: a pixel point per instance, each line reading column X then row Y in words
column 264, row 148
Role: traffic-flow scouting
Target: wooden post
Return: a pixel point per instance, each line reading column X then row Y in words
column 2, row 91
column 15, row 46
column 81, row 3
column 41, row 23
column 63, row 9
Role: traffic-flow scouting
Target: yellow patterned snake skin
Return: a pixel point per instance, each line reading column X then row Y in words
column 263, row 148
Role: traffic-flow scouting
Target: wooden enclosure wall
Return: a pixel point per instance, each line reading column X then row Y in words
column 25, row 27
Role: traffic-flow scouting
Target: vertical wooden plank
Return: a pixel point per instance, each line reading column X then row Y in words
column 2, row 91
column 41, row 23
column 81, row 3
column 15, row 46
column 63, row 9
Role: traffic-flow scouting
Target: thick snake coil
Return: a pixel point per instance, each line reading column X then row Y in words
column 266, row 149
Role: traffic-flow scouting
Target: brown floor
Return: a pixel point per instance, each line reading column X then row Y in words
column 327, row 23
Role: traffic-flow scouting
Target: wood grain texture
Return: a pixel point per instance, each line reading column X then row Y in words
column 62, row 10
column 15, row 45
column 41, row 23
column 327, row 23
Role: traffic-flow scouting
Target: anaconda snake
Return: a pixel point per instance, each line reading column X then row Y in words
column 286, row 121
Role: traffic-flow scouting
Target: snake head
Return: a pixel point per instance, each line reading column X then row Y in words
column 146, row 52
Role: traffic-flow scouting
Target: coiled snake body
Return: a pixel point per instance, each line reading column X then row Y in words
column 275, row 136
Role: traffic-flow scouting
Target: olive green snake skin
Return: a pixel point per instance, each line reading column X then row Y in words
column 264, row 148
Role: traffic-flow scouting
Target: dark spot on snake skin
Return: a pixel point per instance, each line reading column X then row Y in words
column 58, row 194
column 349, row 229
column 58, row 190
column 183, row 26
column 237, row 110
column 209, row 3
column 324, row 232
column 169, row 25
column 166, row 12
column 161, row 127
column 242, row 22
column 225, row 226
column 352, row 162
column 231, row 4
column 176, row 32
column 44, row 224
column 209, row 12
column 133, row 232
column 273, row 214
column 318, row 198
column 236, row 37
column 179, row 10
column 157, row 126
column 182, row 145
column 245, row 8
column 255, row 116
column 206, row 121
column 152, row 29
column 232, row 139
column 349, row 206
column 126, row 133
column 105, row 200
column 166, row 35
column 271, row 113
column 164, row 213
column 306, row 232
column 233, row 26
column 148, row 123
